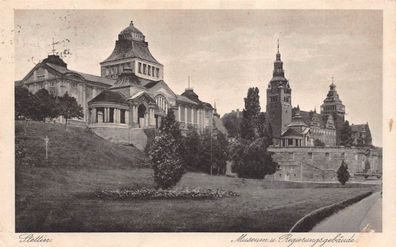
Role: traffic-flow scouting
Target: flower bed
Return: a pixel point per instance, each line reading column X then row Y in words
column 152, row 194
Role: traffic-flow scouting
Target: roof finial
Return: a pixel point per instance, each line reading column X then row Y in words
column 332, row 79
column 131, row 24
column 214, row 104
column 278, row 45
column 189, row 82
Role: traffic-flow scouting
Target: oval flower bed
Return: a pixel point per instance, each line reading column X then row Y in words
column 150, row 194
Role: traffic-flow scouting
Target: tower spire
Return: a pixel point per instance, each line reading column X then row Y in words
column 278, row 45
column 189, row 87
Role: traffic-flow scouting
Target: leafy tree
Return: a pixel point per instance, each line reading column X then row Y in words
column 192, row 148
column 232, row 122
column 24, row 103
column 213, row 154
column 342, row 173
column 44, row 106
column 346, row 135
column 252, row 160
column 166, row 155
column 250, row 115
column 69, row 108
column 170, row 125
column 318, row 143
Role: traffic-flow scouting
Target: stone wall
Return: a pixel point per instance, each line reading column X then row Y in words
column 321, row 163
column 122, row 135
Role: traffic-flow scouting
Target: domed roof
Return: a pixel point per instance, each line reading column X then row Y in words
column 131, row 29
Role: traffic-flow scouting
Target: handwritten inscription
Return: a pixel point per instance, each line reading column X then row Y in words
column 33, row 238
column 290, row 240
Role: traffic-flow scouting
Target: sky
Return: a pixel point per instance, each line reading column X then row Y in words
column 227, row 51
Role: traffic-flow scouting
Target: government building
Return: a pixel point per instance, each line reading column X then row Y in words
column 292, row 127
column 129, row 94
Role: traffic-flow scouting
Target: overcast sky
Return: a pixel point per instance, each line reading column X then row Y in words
column 226, row 52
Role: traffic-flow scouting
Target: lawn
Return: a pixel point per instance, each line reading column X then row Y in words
column 52, row 199
column 50, row 196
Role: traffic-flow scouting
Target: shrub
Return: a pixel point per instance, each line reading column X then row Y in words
column 342, row 173
column 166, row 154
column 252, row 159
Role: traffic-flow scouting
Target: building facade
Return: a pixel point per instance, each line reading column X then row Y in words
column 279, row 107
column 53, row 75
column 321, row 163
column 139, row 97
column 332, row 106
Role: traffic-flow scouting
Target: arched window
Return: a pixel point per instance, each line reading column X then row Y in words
column 162, row 103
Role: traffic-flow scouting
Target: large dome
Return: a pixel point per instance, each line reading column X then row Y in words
column 131, row 32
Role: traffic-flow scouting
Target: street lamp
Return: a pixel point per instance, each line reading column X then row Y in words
column 46, row 140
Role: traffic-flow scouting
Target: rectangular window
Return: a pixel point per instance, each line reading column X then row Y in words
column 140, row 67
column 289, row 142
column 157, row 72
column 144, row 68
column 327, row 155
column 149, row 70
column 152, row 71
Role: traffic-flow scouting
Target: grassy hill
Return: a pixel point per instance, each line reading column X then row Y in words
column 73, row 146
column 50, row 195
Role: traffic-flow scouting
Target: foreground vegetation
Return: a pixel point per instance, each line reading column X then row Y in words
column 52, row 196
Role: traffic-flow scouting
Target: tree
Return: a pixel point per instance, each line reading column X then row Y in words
column 318, row 143
column 250, row 115
column 342, row 173
column 170, row 125
column 252, row 160
column 346, row 135
column 166, row 155
column 192, row 148
column 44, row 106
column 69, row 108
column 24, row 103
column 232, row 122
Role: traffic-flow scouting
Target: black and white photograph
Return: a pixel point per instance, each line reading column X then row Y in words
column 260, row 126
column 198, row 121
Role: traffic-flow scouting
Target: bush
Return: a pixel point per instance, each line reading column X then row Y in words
column 252, row 159
column 166, row 154
column 342, row 173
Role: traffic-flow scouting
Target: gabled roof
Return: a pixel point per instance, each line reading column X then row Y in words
column 93, row 78
column 110, row 96
column 359, row 127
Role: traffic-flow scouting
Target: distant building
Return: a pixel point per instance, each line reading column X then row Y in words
column 361, row 135
column 130, row 93
column 279, row 107
column 332, row 106
column 54, row 75
column 140, row 97
column 292, row 127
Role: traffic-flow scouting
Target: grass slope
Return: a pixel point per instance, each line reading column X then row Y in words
column 73, row 146
column 49, row 197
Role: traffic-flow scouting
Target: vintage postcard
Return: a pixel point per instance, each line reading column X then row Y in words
column 227, row 124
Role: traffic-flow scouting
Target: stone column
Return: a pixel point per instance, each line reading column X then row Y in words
column 105, row 115
column 179, row 113
column 93, row 119
column 185, row 115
